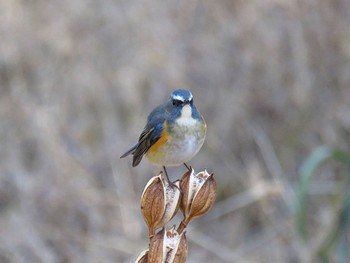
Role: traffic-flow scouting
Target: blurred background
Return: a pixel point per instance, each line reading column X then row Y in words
column 78, row 79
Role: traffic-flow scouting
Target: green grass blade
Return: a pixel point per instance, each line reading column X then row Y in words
column 307, row 172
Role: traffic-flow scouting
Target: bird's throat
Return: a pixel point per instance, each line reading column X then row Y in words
column 186, row 116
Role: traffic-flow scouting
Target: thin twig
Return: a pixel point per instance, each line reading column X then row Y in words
column 273, row 165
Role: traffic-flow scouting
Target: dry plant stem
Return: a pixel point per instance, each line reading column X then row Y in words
column 151, row 234
column 183, row 225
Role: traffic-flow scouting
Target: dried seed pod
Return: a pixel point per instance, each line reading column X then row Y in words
column 172, row 201
column 199, row 191
column 180, row 254
column 156, row 252
column 152, row 203
column 168, row 246
column 143, row 257
column 159, row 202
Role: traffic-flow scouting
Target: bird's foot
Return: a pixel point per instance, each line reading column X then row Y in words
column 188, row 167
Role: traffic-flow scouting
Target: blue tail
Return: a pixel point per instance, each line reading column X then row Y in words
column 130, row 151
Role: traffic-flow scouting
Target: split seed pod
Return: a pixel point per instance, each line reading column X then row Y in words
column 143, row 257
column 168, row 246
column 159, row 202
column 199, row 191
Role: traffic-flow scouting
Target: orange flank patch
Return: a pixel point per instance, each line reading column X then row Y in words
column 161, row 141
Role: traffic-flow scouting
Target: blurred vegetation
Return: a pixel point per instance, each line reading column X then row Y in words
column 78, row 78
column 333, row 236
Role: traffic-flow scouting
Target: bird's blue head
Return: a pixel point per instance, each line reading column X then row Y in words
column 181, row 97
column 181, row 104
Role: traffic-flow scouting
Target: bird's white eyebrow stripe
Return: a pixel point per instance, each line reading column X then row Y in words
column 179, row 97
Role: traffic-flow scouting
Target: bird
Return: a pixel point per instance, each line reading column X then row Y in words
column 174, row 133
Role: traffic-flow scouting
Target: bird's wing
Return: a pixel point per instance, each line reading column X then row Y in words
column 145, row 133
column 150, row 135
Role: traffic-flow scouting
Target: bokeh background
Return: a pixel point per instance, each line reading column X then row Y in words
column 78, row 78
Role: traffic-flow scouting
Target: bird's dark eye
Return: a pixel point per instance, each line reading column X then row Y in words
column 177, row 102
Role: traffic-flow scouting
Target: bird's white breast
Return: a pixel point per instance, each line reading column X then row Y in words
column 185, row 118
column 184, row 141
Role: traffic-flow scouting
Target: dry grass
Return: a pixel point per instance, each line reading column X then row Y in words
column 77, row 79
